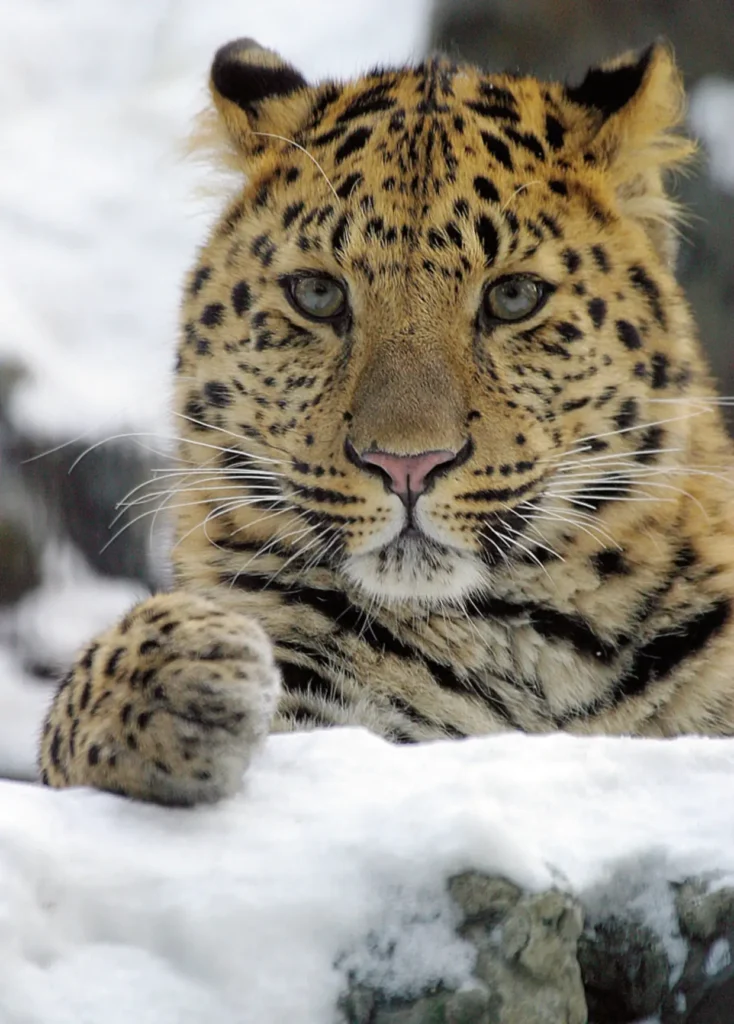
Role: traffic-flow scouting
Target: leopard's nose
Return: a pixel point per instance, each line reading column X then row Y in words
column 408, row 476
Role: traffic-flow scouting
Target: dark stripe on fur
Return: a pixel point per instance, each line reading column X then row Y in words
column 666, row 652
column 348, row 618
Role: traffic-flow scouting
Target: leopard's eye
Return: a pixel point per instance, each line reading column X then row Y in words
column 513, row 298
column 317, row 296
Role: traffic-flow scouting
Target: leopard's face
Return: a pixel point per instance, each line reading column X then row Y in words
column 410, row 319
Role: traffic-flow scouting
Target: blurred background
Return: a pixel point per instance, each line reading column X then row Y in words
column 100, row 214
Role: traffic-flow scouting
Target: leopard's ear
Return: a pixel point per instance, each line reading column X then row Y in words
column 255, row 94
column 636, row 104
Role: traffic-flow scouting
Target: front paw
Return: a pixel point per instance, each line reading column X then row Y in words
column 168, row 706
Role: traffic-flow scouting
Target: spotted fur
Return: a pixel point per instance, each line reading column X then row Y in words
column 571, row 566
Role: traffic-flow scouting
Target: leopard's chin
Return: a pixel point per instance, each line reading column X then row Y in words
column 412, row 568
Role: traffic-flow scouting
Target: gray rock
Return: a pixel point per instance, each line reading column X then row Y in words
column 704, row 915
column 20, row 569
column 703, row 995
column 472, row 1006
column 625, row 970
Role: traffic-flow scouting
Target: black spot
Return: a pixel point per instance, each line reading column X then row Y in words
column 660, row 365
column 498, row 149
column 628, row 335
column 372, row 101
column 552, row 224
column 485, row 189
column 352, row 144
column 213, row 315
column 461, row 208
column 435, row 239
column 348, row 185
column 488, row 238
column 651, row 441
column 113, row 661
column 599, row 255
column 685, row 558
column 497, row 110
column 597, row 311
column 554, row 131
column 339, row 235
column 610, row 562
column 290, row 213
column 200, row 278
column 575, row 403
column 559, row 187
column 569, row 332
column 454, row 234
column 292, row 174
column 217, row 394
column 628, row 414
column 246, row 84
column 571, row 260
column 55, row 748
column 241, row 298
column 608, row 90
column 528, row 141
column 93, row 754
column 85, row 695
column 644, row 283
column 264, row 249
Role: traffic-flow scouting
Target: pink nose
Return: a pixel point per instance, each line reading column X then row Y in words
column 408, row 473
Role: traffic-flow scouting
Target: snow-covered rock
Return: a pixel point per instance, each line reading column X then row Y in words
column 322, row 892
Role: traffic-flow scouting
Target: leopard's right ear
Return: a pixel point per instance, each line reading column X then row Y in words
column 256, row 91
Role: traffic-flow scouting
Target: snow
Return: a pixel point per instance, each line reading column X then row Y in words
column 712, row 119
column 46, row 629
column 718, row 957
column 331, row 863
column 99, row 215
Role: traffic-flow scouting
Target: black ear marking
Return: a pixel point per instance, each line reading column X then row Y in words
column 610, row 89
column 244, row 73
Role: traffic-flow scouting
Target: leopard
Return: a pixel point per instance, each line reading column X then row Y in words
column 450, row 462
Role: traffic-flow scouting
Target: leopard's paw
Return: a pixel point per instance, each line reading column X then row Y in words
column 168, row 705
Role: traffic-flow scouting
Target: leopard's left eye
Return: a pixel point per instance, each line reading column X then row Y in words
column 317, row 296
column 513, row 298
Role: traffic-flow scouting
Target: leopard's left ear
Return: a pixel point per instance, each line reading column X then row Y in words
column 636, row 105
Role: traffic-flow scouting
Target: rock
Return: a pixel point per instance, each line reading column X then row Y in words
column 467, row 1007
column 704, row 915
column 704, row 994
column 19, row 562
column 625, row 970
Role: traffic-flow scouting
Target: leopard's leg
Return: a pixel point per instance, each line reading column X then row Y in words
column 168, row 705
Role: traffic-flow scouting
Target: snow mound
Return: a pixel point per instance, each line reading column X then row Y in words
column 333, row 861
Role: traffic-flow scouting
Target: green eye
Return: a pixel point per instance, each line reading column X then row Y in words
column 317, row 296
column 513, row 298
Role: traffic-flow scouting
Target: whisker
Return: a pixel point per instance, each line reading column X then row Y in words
column 282, row 138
